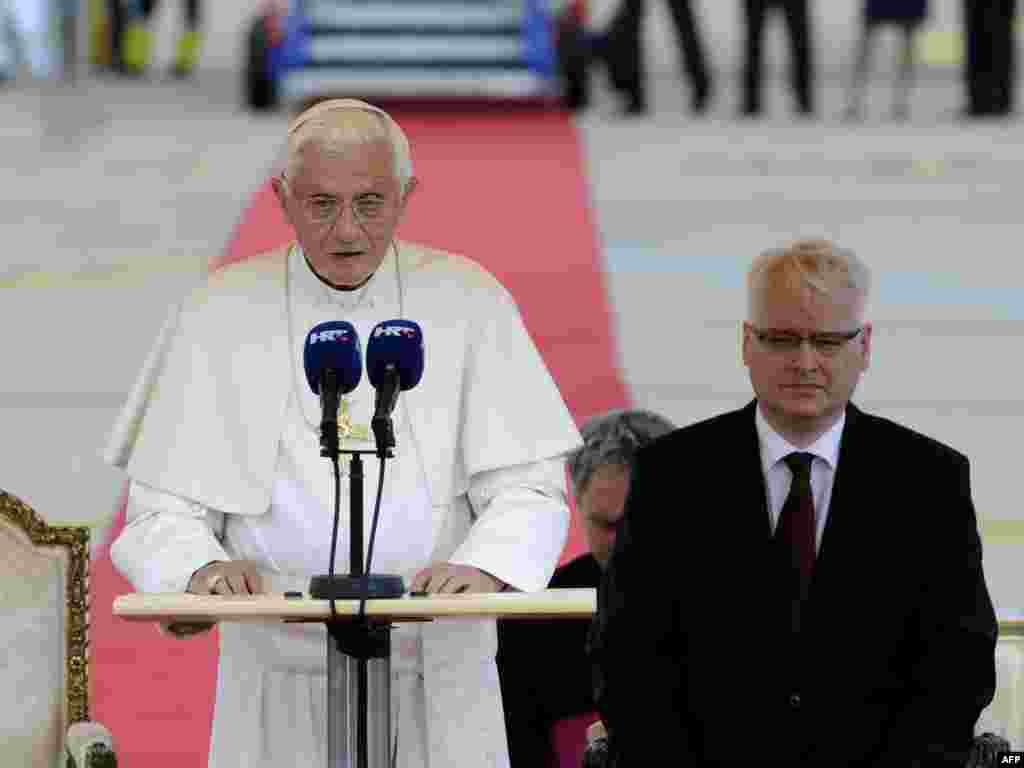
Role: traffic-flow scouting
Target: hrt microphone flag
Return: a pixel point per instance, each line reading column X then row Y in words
column 333, row 366
column 394, row 362
column 395, row 345
column 333, row 346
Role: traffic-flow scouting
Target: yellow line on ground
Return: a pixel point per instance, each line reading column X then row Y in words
column 1003, row 531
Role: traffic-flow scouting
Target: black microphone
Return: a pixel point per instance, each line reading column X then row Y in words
column 394, row 363
column 333, row 368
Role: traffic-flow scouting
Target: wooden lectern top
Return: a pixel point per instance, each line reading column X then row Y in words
column 176, row 607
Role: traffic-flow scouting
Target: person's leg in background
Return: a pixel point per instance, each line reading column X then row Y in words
column 993, row 21
column 137, row 43
column 8, row 59
column 860, row 70
column 190, row 42
column 905, row 72
column 978, row 64
column 798, row 24
column 573, row 49
column 623, row 54
column 691, row 54
column 30, row 24
column 1012, row 64
column 1003, row 45
column 115, row 17
column 753, row 56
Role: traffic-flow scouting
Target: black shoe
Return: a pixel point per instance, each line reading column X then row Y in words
column 633, row 109
column 575, row 103
column 749, row 113
column 981, row 113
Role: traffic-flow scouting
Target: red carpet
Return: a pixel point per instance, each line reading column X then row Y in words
column 506, row 190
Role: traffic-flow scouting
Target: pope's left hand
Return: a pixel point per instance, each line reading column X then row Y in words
column 450, row 579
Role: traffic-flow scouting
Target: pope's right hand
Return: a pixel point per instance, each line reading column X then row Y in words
column 233, row 577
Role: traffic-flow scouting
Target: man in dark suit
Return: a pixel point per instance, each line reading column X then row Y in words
column 543, row 667
column 623, row 51
column 991, row 57
column 801, row 72
column 810, row 591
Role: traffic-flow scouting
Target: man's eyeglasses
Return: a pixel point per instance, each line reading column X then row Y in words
column 786, row 342
column 367, row 209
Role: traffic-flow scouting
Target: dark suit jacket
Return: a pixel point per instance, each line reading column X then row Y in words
column 694, row 646
column 544, row 672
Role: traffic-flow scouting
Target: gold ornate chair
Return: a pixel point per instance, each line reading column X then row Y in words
column 1004, row 717
column 44, row 661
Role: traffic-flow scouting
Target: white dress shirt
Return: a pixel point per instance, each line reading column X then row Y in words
column 778, row 477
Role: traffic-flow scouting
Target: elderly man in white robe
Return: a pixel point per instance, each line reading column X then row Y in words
column 229, row 494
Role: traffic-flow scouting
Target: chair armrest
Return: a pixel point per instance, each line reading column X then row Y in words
column 985, row 750
column 90, row 745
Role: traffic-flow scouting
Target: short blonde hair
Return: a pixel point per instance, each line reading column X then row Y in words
column 337, row 124
column 820, row 265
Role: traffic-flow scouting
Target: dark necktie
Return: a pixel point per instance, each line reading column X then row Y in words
column 796, row 522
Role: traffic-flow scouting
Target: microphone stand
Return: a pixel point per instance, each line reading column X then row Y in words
column 358, row 651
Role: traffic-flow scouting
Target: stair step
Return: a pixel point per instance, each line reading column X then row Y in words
column 406, row 15
column 410, row 48
column 413, row 82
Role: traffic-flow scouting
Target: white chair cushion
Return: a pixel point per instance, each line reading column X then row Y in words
column 32, row 606
column 1005, row 715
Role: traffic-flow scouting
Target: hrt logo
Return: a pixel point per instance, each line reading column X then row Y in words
column 395, row 330
column 328, row 336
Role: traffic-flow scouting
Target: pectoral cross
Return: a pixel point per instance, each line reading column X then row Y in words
column 347, row 428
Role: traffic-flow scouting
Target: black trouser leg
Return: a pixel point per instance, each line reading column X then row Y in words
column 691, row 49
column 573, row 64
column 625, row 55
column 1003, row 58
column 801, row 74
column 193, row 16
column 990, row 56
column 977, row 65
column 753, row 54
column 1012, row 55
column 116, row 16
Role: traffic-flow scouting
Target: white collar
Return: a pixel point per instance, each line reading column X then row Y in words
column 380, row 289
column 774, row 447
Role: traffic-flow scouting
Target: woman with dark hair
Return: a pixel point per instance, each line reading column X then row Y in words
column 905, row 15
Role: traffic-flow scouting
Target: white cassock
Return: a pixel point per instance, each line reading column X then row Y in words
column 220, row 438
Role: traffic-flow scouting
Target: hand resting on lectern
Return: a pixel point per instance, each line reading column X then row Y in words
column 232, row 577
column 451, row 579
